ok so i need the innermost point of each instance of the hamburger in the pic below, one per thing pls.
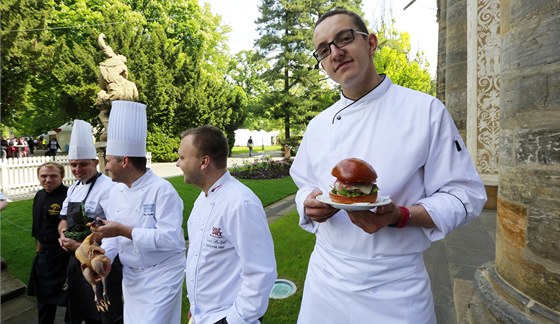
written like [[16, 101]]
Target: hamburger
[[355, 182]]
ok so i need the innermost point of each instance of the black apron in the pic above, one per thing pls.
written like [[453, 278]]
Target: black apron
[[80, 293], [48, 275], [77, 218]]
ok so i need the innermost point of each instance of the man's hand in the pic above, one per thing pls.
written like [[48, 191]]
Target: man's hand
[[111, 229], [68, 245], [316, 210], [371, 222]]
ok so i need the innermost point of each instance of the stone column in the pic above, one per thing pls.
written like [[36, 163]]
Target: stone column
[[523, 285], [456, 63], [442, 35]]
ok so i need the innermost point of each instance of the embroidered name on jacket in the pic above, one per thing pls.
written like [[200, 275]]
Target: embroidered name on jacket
[[215, 239], [149, 210]]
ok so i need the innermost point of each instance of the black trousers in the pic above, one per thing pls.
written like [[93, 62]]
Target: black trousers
[[47, 313], [223, 321]]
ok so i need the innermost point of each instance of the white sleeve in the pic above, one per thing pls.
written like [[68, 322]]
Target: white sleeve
[[455, 192], [303, 177], [168, 224], [253, 243]]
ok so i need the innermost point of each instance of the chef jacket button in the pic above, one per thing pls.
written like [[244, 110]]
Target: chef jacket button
[[338, 118]]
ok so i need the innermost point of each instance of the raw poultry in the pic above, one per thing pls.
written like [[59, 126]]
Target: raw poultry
[[95, 268]]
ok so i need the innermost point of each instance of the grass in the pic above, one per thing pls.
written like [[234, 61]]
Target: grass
[[258, 148], [292, 248], [292, 245]]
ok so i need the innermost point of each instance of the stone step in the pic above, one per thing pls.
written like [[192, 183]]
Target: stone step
[[10, 286], [22, 309]]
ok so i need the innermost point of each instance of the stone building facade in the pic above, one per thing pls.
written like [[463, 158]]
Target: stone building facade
[[499, 76]]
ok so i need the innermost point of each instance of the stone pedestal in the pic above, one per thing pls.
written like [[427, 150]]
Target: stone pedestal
[[496, 301], [101, 147]]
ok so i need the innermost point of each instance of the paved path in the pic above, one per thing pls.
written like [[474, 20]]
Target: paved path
[[456, 257]]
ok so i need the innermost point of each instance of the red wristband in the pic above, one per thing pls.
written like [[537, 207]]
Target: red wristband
[[405, 218]]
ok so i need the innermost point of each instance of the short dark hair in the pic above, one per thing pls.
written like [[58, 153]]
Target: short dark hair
[[138, 162], [210, 140], [358, 21], [55, 165]]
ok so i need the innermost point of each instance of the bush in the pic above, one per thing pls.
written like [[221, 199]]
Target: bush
[[163, 146], [266, 169], [293, 141]]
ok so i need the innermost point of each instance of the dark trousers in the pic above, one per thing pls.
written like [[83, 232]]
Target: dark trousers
[[223, 321], [47, 314]]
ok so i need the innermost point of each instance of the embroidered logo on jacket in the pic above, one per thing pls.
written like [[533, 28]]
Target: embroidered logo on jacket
[[216, 232], [215, 239], [54, 209]]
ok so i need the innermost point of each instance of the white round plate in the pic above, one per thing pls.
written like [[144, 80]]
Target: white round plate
[[381, 201]]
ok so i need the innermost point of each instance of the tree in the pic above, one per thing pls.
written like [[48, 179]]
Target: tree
[[176, 54], [26, 54], [394, 59], [285, 29], [297, 92]]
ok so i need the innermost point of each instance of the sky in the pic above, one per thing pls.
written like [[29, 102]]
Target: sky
[[419, 20]]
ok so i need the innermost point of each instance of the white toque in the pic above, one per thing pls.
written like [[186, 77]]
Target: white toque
[[127, 130], [81, 142]]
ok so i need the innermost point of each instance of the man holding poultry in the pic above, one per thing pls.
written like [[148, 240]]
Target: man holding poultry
[[87, 199], [143, 223]]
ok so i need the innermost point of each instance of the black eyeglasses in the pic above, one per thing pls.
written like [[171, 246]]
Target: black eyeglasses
[[342, 39]]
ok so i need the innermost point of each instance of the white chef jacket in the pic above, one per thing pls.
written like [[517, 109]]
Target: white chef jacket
[[154, 260], [96, 203], [412, 142], [230, 263]]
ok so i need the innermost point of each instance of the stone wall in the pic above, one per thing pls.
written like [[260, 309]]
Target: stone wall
[[528, 246]]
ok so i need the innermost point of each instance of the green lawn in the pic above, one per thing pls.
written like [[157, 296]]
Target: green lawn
[[245, 150], [293, 246]]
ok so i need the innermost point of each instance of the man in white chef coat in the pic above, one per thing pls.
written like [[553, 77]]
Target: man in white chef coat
[[230, 263], [89, 197], [143, 223], [367, 266]]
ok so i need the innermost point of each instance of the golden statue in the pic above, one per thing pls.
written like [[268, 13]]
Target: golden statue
[[114, 83]]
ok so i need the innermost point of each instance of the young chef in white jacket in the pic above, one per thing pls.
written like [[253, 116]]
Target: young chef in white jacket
[[230, 263], [89, 195], [143, 223], [367, 266]]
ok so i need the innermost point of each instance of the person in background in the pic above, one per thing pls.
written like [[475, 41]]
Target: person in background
[[230, 264], [368, 265], [31, 145], [88, 199], [144, 223], [53, 146], [23, 148], [4, 147], [48, 271], [250, 145], [3, 201]]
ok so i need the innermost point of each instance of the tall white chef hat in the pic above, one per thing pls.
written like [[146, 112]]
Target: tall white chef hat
[[127, 131], [81, 142]]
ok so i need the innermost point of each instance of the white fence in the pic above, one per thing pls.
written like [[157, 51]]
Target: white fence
[[18, 176]]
